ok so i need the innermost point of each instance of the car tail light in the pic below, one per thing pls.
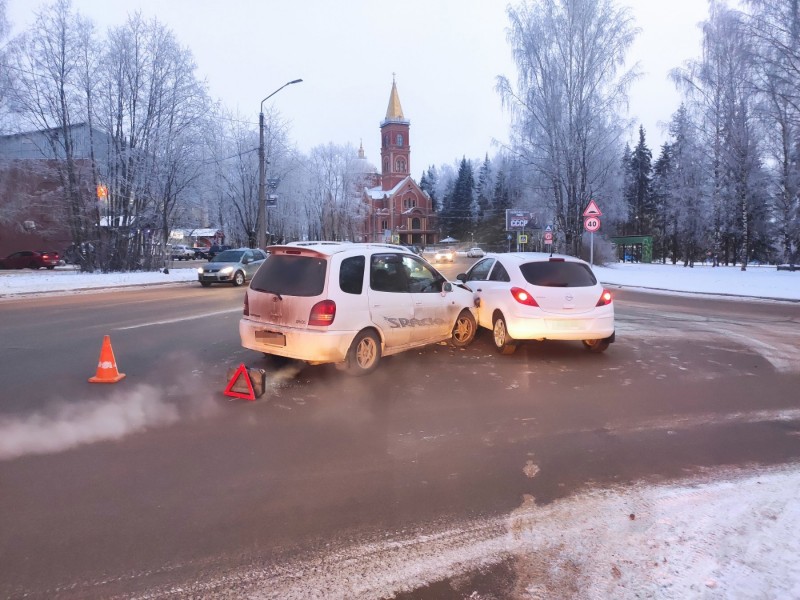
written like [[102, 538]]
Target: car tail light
[[246, 306], [605, 298], [322, 313], [523, 297]]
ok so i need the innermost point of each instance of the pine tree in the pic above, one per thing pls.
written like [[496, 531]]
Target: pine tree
[[461, 201], [638, 193]]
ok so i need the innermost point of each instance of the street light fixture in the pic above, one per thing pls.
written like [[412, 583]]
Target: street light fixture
[[261, 220]]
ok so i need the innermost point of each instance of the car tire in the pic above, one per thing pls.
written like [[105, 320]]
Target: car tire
[[595, 346], [464, 330], [502, 341], [364, 354], [238, 278], [205, 283]]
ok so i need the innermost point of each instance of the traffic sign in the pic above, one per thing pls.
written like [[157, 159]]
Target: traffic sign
[[548, 237], [591, 223], [592, 210], [522, 238]]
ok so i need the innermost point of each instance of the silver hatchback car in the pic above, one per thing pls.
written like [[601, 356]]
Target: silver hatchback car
[[231, 266]]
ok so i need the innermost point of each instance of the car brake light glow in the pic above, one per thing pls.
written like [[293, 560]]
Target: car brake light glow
[[322, 313], [246, 306], [605, 298], [523, 297]]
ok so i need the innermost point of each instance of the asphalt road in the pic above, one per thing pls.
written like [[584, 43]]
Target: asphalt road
[[189, 494]]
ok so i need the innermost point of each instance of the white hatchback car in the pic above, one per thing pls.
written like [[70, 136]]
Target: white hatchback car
[[535, 296], [350, 304]]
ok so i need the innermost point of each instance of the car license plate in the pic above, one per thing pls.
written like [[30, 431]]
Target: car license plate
[[271, 337]]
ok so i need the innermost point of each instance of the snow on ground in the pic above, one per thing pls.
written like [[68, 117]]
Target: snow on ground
[[757, 281], [723, 535]]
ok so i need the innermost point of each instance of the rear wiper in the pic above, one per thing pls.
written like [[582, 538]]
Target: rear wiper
[[269, 292]]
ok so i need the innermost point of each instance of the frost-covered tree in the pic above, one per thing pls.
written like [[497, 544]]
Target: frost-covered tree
[[775, 27], [47, 66], [637, 191], [567, 101]]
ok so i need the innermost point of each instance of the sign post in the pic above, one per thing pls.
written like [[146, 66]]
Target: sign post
[[591, 222]]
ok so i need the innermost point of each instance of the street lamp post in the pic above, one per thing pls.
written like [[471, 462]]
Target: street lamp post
[[261, 219]]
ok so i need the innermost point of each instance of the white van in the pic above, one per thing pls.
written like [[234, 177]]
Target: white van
[[350, 304]]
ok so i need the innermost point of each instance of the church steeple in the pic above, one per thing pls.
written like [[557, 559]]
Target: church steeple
[[394, 112], [396, 145]]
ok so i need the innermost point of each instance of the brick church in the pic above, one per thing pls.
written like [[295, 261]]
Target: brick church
[[398, 209]]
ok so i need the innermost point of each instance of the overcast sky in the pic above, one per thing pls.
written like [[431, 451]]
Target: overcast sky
[[446, 55]]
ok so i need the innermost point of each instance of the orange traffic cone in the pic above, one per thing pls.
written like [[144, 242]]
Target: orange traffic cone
[[107, 366]]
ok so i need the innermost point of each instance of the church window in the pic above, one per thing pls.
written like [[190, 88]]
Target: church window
[[384, 224], [399, 139], [409, 202], [415, 223], [385, 141], [400, 165]]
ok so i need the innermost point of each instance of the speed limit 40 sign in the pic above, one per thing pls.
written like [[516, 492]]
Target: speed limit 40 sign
[[591, 223]]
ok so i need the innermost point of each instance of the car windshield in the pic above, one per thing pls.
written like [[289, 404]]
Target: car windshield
[[229, 256], [558, 274], [291, 275]]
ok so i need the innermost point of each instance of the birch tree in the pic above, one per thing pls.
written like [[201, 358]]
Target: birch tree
[[151, 106], [47, 64], [775, 27], [569, 93]]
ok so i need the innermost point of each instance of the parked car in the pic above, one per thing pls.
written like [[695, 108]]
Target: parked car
[[351, 304], [31, 259], [215, 249], [231, 266], [444, 255], [535, 296], [182, 252], [475, 253], [200, 252]]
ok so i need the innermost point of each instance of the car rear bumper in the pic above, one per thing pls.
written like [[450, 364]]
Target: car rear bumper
[[311, 345], [561, 328]]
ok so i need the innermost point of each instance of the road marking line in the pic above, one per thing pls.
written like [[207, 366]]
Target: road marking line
[[179, 319]]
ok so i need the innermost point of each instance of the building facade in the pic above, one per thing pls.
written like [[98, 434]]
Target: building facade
[[398, 210]]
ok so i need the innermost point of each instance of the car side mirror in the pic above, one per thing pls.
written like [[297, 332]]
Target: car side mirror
[[245, 261], [447, 287], [462, 277]]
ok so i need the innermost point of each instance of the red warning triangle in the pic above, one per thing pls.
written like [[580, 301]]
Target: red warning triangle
[[592, 210], [229, 391]]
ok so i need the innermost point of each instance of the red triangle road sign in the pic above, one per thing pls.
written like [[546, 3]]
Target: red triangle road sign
[[229, 391], [592, 210]]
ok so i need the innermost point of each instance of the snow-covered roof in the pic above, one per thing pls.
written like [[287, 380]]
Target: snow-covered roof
[[377, 193]]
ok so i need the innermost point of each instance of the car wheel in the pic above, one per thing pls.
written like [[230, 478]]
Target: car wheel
[[363, 355], [205, 283], [502, 341], [238, 278], [464, 330], [595, 346], [50, 268]]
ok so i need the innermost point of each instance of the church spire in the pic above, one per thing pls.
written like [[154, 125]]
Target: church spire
[[394, 111]]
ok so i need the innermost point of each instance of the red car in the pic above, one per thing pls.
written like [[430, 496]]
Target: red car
[[28, 259]]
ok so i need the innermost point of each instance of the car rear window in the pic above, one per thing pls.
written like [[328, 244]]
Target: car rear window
[[558, 274], [291, 275]]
